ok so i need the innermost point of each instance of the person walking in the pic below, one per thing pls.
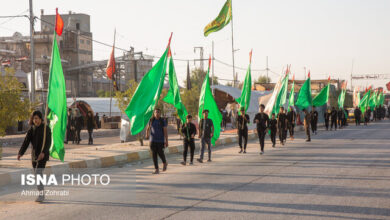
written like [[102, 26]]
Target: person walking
[[262, 123], [69, 134], [291, 118], [90, 126], [327, 116], [97, 121], [357, 114], [157, 134], [333, 117], [206, 132], [273, 124], [242, 129], [314, 120], [188, 131], [79, 125], [306, 124], [367, 115], [282, 126], [40, 147], [340, 117]]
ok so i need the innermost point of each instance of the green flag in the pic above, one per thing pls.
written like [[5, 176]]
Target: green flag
[[364, 101], [322, 97], [173, 95], [207, 102], [304, 99], [291, 97], [341, 99], [382, 100], [224, 17], [245, 98], [379, 98], [145, 98], [281, 97], [372, 101], [56, 101]]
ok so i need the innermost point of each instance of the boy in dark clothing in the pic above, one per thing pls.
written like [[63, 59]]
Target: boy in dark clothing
[[291, 118], [340, 117], [273, 123], [40, 151], [157, 131], [327, 115], [306, 124], [314, 120], [333, 116], [242, 128], [262, 123], [357, 114], [206, 132], [189, 131], [282, 125]]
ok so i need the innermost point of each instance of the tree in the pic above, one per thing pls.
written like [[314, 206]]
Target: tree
[[14, 107], [123, 98], [263, 79], [190, 99], [102, 93], [197, 77]]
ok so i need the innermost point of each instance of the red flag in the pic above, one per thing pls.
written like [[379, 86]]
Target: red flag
[[59, 23], [209, 61], [110, 70], [293, 77], [329, 78], [250, 56], [308, 75]]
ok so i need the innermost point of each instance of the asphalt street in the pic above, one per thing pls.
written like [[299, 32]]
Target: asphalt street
[[343, 174]]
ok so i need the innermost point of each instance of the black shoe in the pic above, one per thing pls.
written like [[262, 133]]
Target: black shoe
[[209, 160], [262, 152], [240, 151], [156, 171], [244, 151], [199, 160], [191, 163], [183, 163], [165, 167], [273, 145], [308, 140], [40, 198]]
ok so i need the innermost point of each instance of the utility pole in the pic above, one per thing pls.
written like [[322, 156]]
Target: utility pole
[[201, 57], [212, 57], [32, 54], [351, 74], [234, 70], [267, 69]]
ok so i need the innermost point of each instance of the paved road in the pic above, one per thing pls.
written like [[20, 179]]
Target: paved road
[[339, 175]]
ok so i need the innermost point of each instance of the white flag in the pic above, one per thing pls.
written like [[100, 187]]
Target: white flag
[[271, 101]]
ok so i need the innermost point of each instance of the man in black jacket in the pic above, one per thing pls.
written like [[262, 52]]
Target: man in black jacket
[[40, 151], [206, 132], [262, 123], [273, 125], [358, 115], [333, 116], [282, 125], [188, 131], [291, 118], [314, 120], [327, 115], [242, 128], [340, 116]]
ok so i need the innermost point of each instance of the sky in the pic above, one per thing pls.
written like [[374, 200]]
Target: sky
[[324, 36]]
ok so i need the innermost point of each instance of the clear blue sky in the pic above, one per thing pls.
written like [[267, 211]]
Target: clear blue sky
[[323, 36]]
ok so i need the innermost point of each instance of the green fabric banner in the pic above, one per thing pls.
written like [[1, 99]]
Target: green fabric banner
[[364, 101], [145, 98], [281, 97], [322, 97], [223, 19], [304, 99], [173, 95], [245, 99], [291, 98], [341, 99], [56, 101], [372, 102], [207, 102]]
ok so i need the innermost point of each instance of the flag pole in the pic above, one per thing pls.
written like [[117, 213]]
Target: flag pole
[[212, 75], [112, 76], [234, 71]]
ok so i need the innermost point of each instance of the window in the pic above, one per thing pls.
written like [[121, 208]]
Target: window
[[81, 41], [77, 26], [88, 42]]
